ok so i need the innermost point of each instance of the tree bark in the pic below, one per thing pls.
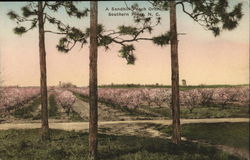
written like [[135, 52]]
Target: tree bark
[[93, 112], [176, 137], [43, 76]]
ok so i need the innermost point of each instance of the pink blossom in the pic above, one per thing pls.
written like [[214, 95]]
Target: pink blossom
[[66, 99]]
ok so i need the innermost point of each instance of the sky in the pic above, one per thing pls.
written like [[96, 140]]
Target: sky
[[203, 58]]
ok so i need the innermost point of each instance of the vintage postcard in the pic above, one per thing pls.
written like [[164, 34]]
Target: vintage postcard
[[124, 80]]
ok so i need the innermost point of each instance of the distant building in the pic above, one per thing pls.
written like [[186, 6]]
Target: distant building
[[184, 82], [66, 84]]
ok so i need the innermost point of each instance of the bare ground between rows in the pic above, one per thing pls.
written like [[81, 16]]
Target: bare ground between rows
[[106, 113], [81, 107]]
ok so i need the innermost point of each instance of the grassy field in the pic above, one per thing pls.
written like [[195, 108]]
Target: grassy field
[[203, 112], [26, 144], [230, 134]]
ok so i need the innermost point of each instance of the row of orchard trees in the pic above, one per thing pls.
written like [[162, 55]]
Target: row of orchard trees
[[211, 14]]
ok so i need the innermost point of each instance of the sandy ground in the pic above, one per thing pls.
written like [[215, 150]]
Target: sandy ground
[[81, 108], [84, 125]]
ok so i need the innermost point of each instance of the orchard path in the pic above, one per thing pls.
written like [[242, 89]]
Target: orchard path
[[77, 126]]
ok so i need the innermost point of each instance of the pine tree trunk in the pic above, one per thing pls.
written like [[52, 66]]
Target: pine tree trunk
[[43, 78], [176, 137], [93, 113]]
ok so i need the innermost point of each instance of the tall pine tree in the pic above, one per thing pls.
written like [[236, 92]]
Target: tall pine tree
[[93, 93], [101, 37], [212, 15], [35, 13]]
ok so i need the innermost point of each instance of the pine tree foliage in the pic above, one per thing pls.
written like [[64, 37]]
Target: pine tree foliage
[[123, 35], [213, 15], [163, 5], [127, 30], [29, 15], [19, 30], [127, 53], [162, 40]]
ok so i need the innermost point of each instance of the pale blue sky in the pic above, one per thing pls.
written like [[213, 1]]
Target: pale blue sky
[[204, 59]]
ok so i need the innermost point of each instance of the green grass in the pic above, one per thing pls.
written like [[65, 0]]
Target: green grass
[[230, 134], [26, 112], [216, 112], [74, 116], [26, 145], [203, 112], [162, 111]]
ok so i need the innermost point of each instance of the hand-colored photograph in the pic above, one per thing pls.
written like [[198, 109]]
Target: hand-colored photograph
[[124, 80]]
